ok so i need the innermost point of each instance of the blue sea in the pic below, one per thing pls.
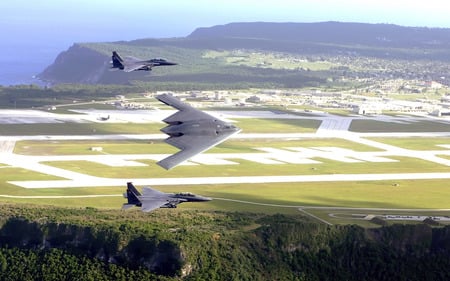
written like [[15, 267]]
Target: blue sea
[[20, 63], [24, 53]]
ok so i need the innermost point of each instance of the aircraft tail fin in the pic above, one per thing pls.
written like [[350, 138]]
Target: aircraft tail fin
[[132, 195], [117, 60]]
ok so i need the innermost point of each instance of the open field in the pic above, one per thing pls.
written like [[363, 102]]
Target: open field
[[406, 194], [82, 147], [401, 126], [267, 60], [247, 156], [417, 143], [79, 129], [248, 168], [258, 125], [8, 173], [250, 125]]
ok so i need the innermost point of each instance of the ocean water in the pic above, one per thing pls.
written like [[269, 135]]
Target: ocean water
[[21, 62], [26, 52], [28, 46]]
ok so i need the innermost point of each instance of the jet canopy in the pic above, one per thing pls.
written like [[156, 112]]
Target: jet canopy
[[189, 194]]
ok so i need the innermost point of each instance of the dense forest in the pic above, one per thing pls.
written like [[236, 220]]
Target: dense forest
[[47, 243]]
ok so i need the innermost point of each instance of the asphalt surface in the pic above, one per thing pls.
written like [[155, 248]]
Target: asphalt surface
[[332, 126]]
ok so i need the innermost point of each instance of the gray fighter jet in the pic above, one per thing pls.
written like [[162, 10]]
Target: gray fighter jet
[[152, 199], [129, 64], [192, 131]]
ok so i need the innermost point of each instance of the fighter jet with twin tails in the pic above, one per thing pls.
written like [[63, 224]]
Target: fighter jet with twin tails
[[152, 199], [192, 131], [129, 64]]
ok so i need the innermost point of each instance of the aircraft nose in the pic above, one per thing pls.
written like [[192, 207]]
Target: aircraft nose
[[171, 63]]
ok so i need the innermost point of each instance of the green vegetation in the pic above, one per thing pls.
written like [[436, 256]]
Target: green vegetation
[[193, 72], [80, 128], [368, 126], [9, 173], [48, 243], [89, 238], [267, 60], [74, 147], [71, 108], [250, 168], [382, 194], [84, 147], [31, 96], [416, 143], [259, 125], [250, 125], [401, 194]]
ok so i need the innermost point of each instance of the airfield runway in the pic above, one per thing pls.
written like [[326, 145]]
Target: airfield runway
[[331, 126], [266, 156]]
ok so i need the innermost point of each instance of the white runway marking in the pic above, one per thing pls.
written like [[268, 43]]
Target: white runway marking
[[331, 127], [90, 181], [60, 197]]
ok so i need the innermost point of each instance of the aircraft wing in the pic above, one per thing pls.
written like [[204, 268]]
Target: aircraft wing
[[150, 192], [134, 66], [152, 204], [190, 146], [185, 113]]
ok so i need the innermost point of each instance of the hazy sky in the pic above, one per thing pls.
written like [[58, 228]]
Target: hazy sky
[[107, 20]]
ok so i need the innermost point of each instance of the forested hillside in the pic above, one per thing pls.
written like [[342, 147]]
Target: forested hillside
[[290, 42], [47, 243], [341, 33]]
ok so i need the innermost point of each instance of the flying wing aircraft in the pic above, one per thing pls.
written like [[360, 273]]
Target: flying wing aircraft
[[129, 64], [192, 131], [151, 199]]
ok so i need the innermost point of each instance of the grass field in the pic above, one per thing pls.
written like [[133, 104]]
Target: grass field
[[159, 146], [84, 147], [420, 194], [8, 173], [248, 125], [416, 143], [368, 126], [415, 194], [267, 60], [255, 125], [247, 168], [79, 129]]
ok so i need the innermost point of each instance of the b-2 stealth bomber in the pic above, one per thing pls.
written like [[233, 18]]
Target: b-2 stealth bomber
[[129, 64], [152, 199], [192, 131]]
